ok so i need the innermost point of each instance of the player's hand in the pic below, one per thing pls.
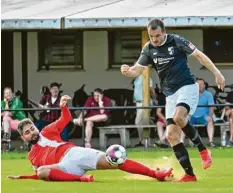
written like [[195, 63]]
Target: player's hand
[[87, 179], [13, 177], [220, 80], [64, 100], [125, 69]]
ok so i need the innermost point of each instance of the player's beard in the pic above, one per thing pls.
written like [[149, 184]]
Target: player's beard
[[35, 139]]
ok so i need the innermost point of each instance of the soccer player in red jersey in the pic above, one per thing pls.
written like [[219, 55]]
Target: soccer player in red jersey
[[57, 160]]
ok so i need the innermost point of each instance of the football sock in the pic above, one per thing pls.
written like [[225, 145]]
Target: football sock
[[194, 136], [59, 175], [134, 167], [183, 157]]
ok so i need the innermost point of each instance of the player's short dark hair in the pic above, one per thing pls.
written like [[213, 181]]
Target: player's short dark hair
[[22, 124], [155, 23], [99, 90]]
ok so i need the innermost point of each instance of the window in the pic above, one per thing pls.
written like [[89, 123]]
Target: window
[[60, 50], [124, 47], [218, 45]]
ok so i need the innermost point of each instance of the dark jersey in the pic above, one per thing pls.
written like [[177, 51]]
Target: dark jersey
[[170, 61]]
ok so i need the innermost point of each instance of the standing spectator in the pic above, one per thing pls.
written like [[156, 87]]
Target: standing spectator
[[10, 119], [51, 100], [94, 116], [229, 114], [138, 98], [203, 115]]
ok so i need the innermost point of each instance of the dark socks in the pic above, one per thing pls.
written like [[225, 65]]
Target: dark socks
[[194, 136], [183, 157]]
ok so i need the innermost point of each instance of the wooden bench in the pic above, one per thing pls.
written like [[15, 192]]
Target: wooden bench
[[122, 130]]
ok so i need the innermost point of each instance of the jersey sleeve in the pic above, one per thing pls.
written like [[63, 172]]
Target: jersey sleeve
[[144, 58], [184, 45], [60, 124]]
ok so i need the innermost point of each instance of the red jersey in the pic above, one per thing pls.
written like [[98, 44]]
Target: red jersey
[[50, 148]]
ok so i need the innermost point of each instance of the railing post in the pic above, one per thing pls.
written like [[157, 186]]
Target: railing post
[[83, 128]]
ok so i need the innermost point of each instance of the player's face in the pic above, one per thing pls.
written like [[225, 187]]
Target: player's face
[[156, 36], [30, 134], [8, 94], [54, 91], [201, 86]]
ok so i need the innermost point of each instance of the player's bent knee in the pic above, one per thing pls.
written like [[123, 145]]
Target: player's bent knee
[[43, 172], [170, 136], [179, 120]]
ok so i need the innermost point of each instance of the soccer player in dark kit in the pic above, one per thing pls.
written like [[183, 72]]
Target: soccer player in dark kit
[[168, 55]]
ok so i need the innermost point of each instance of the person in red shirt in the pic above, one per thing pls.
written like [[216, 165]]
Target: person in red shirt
[[94, 117], [56, 160]]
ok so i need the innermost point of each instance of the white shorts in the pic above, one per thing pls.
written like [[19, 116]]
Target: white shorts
[[188, 94], [79, 160]]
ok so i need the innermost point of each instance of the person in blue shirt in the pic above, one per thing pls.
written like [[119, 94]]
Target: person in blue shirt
[[168, 55], [203, 115], [138, 99]]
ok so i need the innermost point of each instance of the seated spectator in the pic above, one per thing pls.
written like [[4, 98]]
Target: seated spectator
[[94, 116], [229, 114], [161, 122], [51, 100], [138, 99], [203, 115], [10, 119]]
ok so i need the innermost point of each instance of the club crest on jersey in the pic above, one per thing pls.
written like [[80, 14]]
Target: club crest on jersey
[[171, 50]]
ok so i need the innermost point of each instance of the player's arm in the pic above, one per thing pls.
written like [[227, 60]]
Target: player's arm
[[205, 61], [31, 177], [188, 48], [137, 69], [65, 117]]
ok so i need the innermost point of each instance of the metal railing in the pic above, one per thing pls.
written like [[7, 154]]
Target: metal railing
[[82, 109]]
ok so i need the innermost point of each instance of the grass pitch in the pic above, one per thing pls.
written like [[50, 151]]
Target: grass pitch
[[217, 179]]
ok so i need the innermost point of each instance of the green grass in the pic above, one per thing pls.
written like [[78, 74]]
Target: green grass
[[219, 178]]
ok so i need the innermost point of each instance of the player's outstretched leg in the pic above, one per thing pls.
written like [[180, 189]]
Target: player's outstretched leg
[[53, 173], [134, 167], [174, 137], [181, 119]]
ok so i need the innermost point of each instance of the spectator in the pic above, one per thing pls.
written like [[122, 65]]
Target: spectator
[[93, 116], [10, 119], [161, 122], [138, 98], [203, 115], [51, 100], [229, 114]]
